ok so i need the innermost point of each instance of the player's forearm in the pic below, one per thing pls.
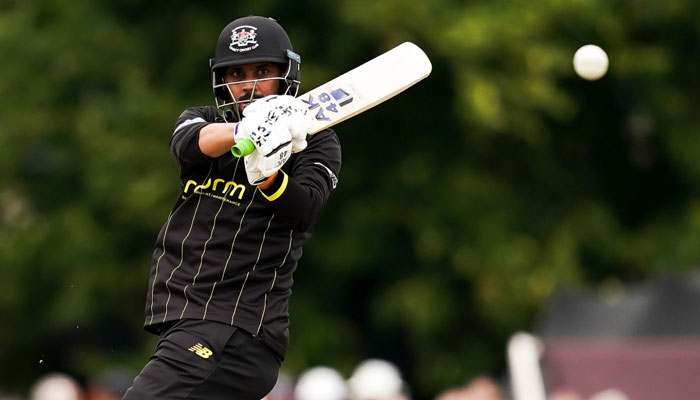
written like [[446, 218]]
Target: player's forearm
[[299, 199], [216, 139], [298, 205]]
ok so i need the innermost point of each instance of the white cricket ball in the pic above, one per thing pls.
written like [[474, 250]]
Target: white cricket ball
[[590, 62]]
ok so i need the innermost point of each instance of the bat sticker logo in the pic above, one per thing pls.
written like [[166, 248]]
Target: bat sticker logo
[[328, 102], [243, 39]]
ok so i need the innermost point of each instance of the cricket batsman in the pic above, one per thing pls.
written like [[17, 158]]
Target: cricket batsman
[[222, 265]]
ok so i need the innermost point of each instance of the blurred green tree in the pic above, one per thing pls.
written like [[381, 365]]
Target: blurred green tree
[[463, 204]]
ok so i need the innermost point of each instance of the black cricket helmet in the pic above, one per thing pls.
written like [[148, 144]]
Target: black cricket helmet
[[248, 40]]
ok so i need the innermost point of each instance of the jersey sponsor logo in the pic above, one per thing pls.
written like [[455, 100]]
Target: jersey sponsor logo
[[212, 188], [243, 38], [201, 351]]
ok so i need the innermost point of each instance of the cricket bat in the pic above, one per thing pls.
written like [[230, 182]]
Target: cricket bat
[[360, 89]]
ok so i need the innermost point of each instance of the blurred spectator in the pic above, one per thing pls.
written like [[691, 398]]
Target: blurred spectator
[[610, 394], [564, 394], [481, 388], [56, 386], [321, 383], [376, 379]]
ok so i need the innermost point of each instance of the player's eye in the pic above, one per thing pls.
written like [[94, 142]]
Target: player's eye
[[234, 73]]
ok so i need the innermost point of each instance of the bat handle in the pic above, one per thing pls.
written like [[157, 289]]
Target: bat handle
[[243, 148]]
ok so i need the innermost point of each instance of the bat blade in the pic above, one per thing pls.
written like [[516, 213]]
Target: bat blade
[[369, 84], [361, 88]]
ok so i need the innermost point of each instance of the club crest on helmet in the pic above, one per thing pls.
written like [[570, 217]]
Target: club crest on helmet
[[243, 38]]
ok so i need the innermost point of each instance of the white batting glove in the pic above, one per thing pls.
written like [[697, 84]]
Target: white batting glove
[[259, 167], [273, 144], [265, 133], [299, 126], [280, 104], [285, 110]]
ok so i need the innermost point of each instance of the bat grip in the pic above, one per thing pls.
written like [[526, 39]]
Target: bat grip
[[243, 148]]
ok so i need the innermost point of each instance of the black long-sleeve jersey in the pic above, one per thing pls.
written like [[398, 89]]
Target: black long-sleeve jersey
[[228, 249]]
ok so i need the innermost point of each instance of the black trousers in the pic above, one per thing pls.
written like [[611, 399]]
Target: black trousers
[[197, 359]]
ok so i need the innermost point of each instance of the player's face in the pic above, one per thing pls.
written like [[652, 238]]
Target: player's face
[[252, 81]]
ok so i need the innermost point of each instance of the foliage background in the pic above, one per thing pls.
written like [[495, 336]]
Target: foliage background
[[464, 204]]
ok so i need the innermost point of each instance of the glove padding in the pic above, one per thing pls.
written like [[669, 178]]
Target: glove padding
[[273, 146], [284, 110], [277, 126], [264, 132], [258, 167]]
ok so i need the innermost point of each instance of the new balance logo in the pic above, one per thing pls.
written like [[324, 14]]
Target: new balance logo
[[200, 350]]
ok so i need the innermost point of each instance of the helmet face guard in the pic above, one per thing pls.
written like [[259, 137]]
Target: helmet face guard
[[252, 40], [226, 101]]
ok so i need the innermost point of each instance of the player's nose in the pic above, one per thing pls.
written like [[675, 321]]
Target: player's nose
[[249, 87], [246, 86]]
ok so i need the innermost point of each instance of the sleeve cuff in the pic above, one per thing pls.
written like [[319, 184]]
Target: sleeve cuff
[[277, 188]]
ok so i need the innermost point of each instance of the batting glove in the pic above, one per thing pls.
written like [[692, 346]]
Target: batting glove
[[288, 111], [265, 133], [259, 167]]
